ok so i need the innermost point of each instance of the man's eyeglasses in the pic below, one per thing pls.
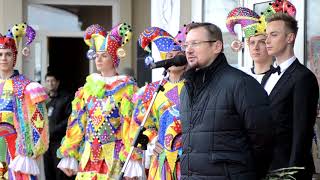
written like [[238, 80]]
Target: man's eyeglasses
[[195, 44]]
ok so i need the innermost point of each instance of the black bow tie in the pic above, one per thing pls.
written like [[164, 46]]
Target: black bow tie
[[269, 73], [274, 70]]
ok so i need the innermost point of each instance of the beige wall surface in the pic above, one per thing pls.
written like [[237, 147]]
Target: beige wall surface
[[126, 17], [185, 12], [138, 14], [10, 14], [141, 20]]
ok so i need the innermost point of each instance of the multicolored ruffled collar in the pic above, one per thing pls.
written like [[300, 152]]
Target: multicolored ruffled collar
[[100, 86]]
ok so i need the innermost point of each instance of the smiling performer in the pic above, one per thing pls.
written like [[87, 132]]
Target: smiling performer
[[23, 114], [99, 109]]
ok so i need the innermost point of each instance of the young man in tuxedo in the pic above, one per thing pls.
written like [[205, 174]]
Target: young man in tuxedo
[[293, 91]]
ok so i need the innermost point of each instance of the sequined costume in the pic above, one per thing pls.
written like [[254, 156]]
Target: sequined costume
[[94, 133], [23, 113], [163, 123]]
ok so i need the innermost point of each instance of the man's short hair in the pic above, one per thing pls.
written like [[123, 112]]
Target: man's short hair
[[214, 32], [51, 74], [289, 21]]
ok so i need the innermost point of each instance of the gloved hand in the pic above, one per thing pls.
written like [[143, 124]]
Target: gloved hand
[[143, 140]]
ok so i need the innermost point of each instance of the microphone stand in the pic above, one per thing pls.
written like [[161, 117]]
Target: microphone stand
[[141, 127]]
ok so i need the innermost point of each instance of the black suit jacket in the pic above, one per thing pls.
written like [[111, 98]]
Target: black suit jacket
[[293, 103]]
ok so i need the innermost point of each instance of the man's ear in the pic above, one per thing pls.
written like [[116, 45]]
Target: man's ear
[[291, 38], [218, 47]]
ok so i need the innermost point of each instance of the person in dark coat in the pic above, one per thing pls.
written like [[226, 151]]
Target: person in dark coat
[[293, 91], [225, 115], [59, 109]]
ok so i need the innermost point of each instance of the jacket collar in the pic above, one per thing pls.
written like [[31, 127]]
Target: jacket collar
[[196, 80], [194, 75], [284, 79]]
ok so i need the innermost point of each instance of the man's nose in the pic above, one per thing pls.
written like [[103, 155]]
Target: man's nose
[[189, 50], [98, 58], [267, 40]]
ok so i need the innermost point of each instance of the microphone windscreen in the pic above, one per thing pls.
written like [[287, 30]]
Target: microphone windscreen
[[180, 60]]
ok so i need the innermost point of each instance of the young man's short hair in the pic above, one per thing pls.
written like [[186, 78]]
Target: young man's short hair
[[290, 22], [51, 74]]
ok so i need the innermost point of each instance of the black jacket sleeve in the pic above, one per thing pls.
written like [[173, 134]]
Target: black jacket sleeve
[[305, 98], [252, 104], [64, 113]]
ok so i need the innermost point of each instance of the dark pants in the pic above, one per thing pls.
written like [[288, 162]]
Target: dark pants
[[51, 161]]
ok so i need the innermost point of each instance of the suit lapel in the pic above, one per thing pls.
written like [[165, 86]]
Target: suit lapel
[[283, 80]]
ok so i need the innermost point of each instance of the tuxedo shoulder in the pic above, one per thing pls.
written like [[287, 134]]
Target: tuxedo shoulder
[[303, 71], [302, 74]]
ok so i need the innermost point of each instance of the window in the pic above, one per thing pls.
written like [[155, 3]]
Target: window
[[216, 12], [313, 37]]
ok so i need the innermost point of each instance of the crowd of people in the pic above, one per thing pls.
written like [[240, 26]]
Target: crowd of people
[[204, 120]]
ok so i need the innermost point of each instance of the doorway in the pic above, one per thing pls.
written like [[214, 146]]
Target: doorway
[[67, 58]]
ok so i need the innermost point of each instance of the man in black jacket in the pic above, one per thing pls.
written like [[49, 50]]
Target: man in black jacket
[[59, 109], [293, 91], [226, 124]]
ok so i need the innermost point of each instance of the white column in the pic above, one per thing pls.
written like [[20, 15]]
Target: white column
[[197, 10], [121, 13], [166, 15], [299, 46]]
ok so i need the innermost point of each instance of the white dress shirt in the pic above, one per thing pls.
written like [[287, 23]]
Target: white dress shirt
[[258, 77], [274, 78]]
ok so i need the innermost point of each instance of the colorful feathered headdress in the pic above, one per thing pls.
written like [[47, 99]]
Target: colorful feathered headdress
[[14, 36], [252, 24], [98, 39]]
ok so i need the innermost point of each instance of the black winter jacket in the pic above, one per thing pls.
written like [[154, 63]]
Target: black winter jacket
[[59, 110], [226, 124]]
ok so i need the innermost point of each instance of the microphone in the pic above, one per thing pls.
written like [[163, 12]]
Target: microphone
[[178, 60]]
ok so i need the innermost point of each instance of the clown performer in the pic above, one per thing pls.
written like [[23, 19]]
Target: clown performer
[[254, 28], [99, 109], [163, 127], [23, 114]]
